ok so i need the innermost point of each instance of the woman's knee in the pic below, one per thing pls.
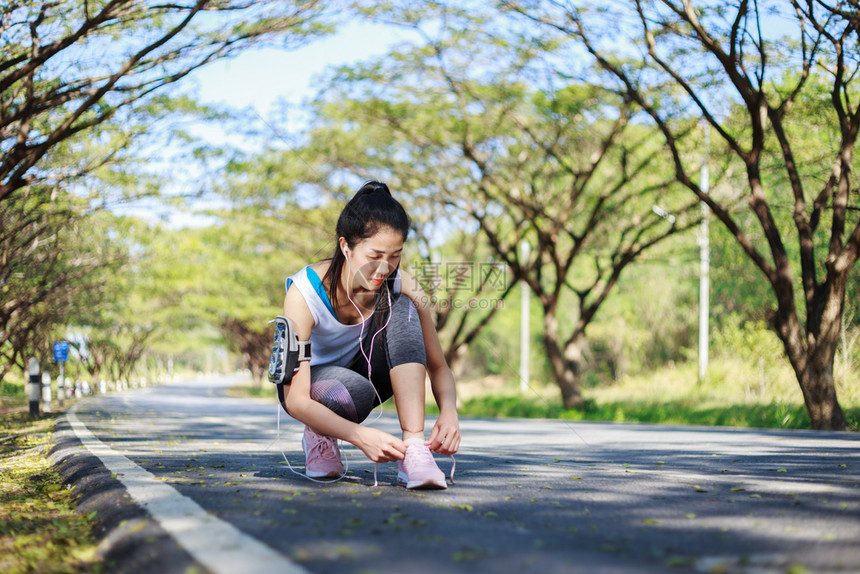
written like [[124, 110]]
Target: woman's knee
[[344, 392], [334, 395]]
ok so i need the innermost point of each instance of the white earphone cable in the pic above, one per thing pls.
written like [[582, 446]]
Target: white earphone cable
[[367, 356]]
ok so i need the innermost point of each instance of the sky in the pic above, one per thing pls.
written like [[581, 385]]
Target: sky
[[258, 79]]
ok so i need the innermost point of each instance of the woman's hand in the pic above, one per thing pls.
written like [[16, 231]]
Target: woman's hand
[[379, 446], [445, 436]]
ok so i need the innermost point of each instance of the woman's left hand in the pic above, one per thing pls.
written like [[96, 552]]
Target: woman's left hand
[[445, 436]]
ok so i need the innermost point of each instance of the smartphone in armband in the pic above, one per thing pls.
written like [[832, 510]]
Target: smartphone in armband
[[287, 351]]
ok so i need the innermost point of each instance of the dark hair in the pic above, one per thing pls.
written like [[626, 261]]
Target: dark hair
[[371, 209]]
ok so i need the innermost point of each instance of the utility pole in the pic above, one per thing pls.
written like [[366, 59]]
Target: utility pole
[[61, 356], [704, 262], [524, 322]]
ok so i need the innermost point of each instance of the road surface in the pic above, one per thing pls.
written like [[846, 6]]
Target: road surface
[[185, 479]]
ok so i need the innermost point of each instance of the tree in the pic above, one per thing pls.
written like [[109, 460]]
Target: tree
[[230, 274], [247, 258], [325, 165], [753, 71], [54, 264], [115, 314], [63, 71], [467, 121], [79, 83]]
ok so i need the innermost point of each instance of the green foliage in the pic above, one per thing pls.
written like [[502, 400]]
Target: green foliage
[[751, 342], [11, 388], [781, 131], [495, 350], [650, 319], [219, 285], [58, 258], [737, 289]]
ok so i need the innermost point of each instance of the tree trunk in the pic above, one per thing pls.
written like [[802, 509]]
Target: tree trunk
[[254, 345], [812, 356], [814, 371], [566, 362], [258, 373], [819, 395], [453, 356]]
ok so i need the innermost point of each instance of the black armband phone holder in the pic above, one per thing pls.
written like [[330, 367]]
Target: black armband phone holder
[[287, 351]]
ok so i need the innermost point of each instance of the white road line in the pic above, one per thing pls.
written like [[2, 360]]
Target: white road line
[[216, 544]]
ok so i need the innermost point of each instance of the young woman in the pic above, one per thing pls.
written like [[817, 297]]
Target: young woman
[[372, 337]]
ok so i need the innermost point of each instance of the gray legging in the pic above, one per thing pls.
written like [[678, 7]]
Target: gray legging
[[347, 390]]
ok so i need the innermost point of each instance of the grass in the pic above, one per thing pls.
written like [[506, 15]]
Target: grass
[[12, 396], [731, 395], [40, 530], [682, 412], [248, 389]]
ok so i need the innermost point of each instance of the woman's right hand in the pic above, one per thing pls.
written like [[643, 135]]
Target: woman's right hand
[[379, 446]]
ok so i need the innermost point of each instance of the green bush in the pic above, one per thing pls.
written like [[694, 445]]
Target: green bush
[[12, 389]]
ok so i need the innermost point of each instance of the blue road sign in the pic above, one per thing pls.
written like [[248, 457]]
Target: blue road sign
[[61, 352]]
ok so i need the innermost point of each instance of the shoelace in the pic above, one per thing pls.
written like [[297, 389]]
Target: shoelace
[[416, 452], [325, 447], [450, 477]]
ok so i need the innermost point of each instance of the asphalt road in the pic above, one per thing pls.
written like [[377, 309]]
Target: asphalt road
[[184, 479]]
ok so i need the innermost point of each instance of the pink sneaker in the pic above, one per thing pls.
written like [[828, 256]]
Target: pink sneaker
[[419, 470], [322, 457]]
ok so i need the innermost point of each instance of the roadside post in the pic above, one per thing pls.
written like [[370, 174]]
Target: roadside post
[[35, 383], [61, 392], [46, 392], [61, 356]]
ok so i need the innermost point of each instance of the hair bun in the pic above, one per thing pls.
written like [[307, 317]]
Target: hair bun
[[373, 187]]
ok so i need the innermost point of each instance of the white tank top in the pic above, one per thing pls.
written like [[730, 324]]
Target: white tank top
[[332, 342]]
